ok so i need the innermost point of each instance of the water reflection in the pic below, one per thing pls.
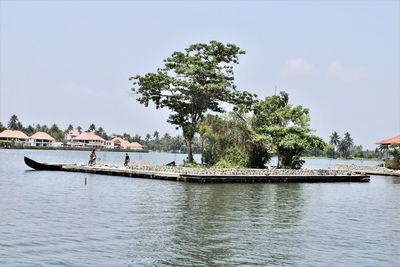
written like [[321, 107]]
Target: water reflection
[[396, 179], [236, 224], [119, 221]]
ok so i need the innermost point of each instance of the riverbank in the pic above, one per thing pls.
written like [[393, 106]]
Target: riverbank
[[327, 158]]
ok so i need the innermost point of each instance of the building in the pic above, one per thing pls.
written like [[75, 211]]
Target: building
[[41, 139], [14, 136], [120, 143], [390, 141], [109, 144], [70, 135], [87, 139], [384, 144], [136, 146]]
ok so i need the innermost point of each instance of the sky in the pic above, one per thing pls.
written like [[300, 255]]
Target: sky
[[68, 62]]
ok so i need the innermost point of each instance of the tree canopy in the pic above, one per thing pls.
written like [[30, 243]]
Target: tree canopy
[[191, 83], [14, 123], [285, 129], [230, 142]]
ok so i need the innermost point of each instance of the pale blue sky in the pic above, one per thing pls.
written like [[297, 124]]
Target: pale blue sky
[[69, 61]]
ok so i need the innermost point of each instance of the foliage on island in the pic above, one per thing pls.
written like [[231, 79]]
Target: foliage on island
[[192, 83], [394, 162]]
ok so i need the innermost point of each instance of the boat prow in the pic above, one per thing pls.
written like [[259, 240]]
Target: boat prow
[[39, 166]]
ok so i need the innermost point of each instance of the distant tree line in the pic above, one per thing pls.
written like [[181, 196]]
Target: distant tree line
[[166, 143], [345, 148]]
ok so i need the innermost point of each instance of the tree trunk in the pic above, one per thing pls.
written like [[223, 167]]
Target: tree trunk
[[279, 163], [190, 150]]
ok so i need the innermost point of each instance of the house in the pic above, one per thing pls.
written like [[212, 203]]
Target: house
[[41, 139], [384, 144], [69, 135], [87, 139], [109, 144], [120, 143], [13, 136], [136, 146], [390, 141]]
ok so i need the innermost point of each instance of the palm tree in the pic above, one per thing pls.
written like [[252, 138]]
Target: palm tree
[[14, 123], [334, 140], [347, 138], [345, 145], [70, 128], [92, 128]]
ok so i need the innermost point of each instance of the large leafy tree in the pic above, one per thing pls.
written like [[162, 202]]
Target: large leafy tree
[[285, 129], [191, 83], [230, 142]]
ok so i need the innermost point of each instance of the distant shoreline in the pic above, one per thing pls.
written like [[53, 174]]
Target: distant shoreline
[[147, 151], [77, 149], [321, 157]]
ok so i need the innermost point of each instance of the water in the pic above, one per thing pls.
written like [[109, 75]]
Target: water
[[53, 219]]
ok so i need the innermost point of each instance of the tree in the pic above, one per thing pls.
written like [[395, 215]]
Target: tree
[[334, 140], [100, 132], [2, 128], [14, 123], [126, 137], [230, 142], [191, 83], [348, 140], [56, 133], [394, 150], [79, 128], [70, 128], [137, 138], [92, 128], [345, 145], [285, 129], [156, 141], [30, 130]]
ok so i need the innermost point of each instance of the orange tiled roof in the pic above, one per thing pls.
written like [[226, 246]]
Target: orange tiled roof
[[73, 133], [43, 136], [88, 136], [13, 134], [117, 140], [125, 144], [393, 140], [136, 145]]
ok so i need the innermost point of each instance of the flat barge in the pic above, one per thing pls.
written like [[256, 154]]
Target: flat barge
[[370, 170], [203, 175]]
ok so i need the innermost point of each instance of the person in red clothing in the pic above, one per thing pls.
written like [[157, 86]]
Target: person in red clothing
[[126, 162], [92, 158]]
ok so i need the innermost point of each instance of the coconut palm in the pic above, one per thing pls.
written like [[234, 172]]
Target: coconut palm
[[334, 140]]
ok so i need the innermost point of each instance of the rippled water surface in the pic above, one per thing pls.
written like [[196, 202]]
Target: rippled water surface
[[54, 219]]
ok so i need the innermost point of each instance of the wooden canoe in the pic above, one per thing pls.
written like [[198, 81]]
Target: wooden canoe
[[39, 166]]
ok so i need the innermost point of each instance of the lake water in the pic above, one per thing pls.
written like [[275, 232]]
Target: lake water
[[54, 219]]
